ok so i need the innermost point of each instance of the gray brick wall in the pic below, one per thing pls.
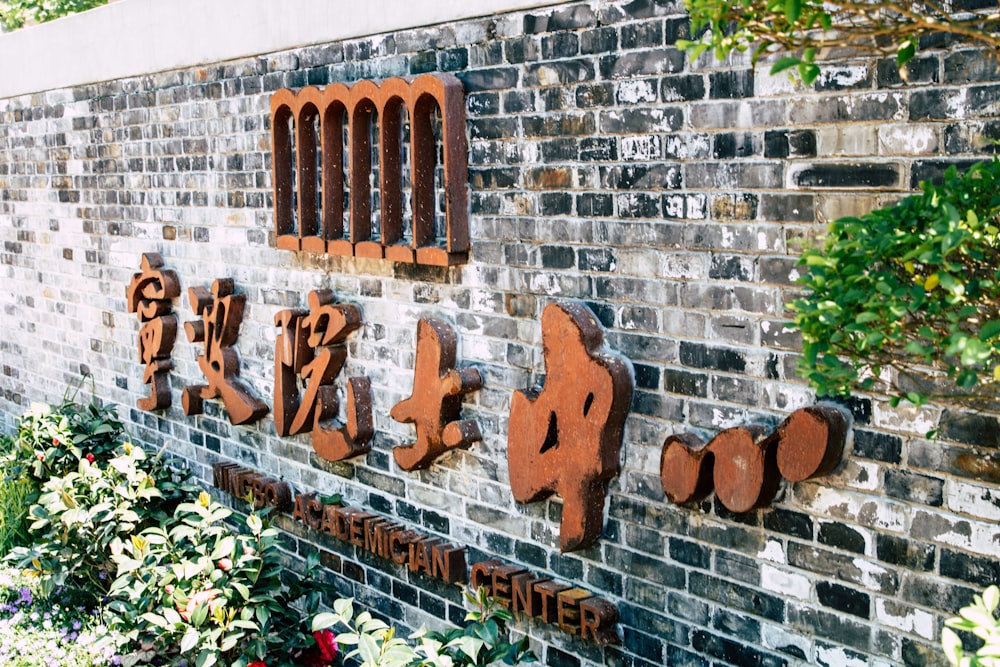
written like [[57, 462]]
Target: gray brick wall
[[671, 197]]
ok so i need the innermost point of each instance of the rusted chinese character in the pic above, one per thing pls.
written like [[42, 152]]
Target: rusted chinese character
[[221, 314], [310, 345], [149, 294], [436, 401], [566, 439], [747, 463]]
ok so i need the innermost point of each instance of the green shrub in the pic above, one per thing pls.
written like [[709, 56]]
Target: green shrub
[[907, 298], [483, 641], [15, 13], [194, 590], [979, 618], [55, 439], [51, 442], [17, 491], [79, 515]]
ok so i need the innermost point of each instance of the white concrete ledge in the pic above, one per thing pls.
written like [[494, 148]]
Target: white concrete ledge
[[135, 37]]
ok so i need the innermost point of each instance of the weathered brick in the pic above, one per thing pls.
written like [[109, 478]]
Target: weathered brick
[[919, 70], [666, 60], [844, 599], [599, 40], [794, 524], [567, 124], [631, 121], [556, 73], [729, 84], [845, 567], [914, 487], [905, 552], [682, 87], [737, 596], [968, 66], [922, 590], [789, 143], [850, 175], [642, 35], [841, 536], [733, 652], [975, 569], [845, 77], [836, 627]]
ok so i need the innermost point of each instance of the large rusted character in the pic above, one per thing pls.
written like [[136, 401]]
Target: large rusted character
[[436, 401], [746, 463], [221, 314], [149, 294], [566, 439], [310, 346]]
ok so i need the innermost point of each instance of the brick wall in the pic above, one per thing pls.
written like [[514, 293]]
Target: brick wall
[[671, 197]]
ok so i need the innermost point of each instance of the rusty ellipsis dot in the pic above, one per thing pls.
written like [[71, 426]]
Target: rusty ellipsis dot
[[745, 464], [566, 438]]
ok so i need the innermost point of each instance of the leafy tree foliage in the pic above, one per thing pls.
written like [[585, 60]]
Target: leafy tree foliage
[[798, 32], [15, 14], [908, 297]]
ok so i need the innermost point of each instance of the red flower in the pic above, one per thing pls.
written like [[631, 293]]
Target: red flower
[[225, 564], [259, 663], [90, 458], [324, 652], [55, 442], [198, 598]]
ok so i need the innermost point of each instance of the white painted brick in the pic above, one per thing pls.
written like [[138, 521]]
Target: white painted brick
[[853, 507], [836, 656], [908, 139], [851, 140], [906, 618], [784, 582], [781, 639], [977, 500], [906, 417]]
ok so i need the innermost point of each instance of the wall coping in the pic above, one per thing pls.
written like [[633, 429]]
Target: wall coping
[[135, 37]]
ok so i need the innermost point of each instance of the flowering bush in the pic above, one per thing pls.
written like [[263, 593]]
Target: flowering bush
[[180, 584], [54, 439], [194, 590], [78, 515], [50, 442], [39, 632], [484, 641]]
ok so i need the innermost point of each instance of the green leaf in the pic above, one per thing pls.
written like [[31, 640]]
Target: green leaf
[[172, 616], [991, 598], [206, 658], [809, 73], [190, 640], [793, 9], [951, 644], [199, 615], [907, 50], [224, 548], [324, 620], [784, 63], [989, 330]]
